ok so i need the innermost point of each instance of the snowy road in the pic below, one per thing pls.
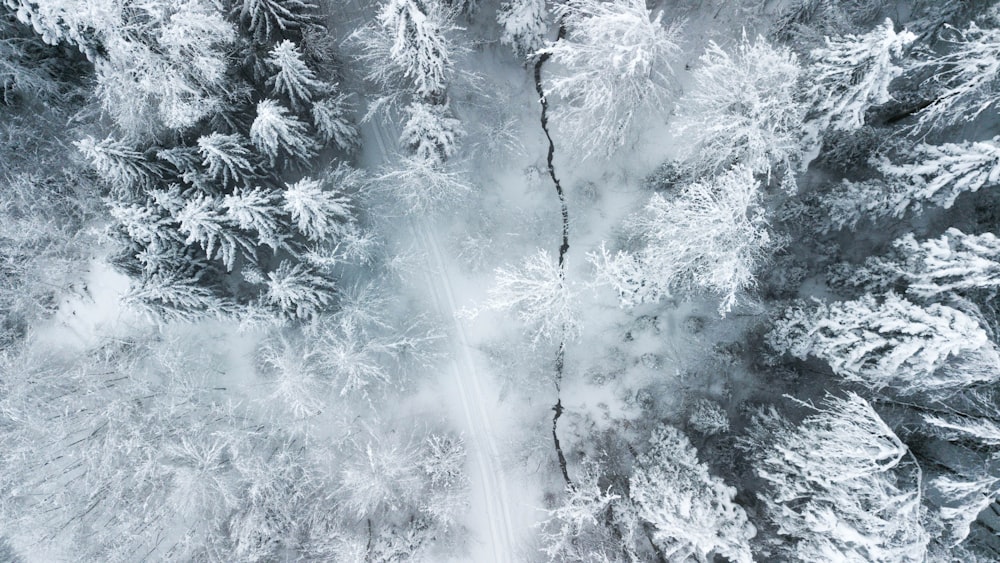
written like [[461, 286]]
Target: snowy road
[[489, 495]]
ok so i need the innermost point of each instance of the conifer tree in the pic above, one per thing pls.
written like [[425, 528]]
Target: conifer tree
[[316, 213], [269, 20], [292, 78], [275, 132], [258, 211], [203, 221], [523, 24], [852, 73], [120, 165], [881, 343], [419, 47], [953, 263], [963, 75], [329, 117], [938, 174], [226, 157], [838, 488], [692, 512], [297, 292], [430, 133]]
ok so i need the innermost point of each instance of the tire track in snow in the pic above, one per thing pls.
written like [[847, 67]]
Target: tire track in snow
[[462, 366], [488, 459]]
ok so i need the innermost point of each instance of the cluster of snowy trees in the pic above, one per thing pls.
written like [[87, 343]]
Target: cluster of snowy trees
[[212, 113], [128, 450], [409, 51], [669, 508], [204, 148], [911, 327], [897, 462]]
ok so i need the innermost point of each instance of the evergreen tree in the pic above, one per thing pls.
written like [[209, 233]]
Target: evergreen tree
[[523, 24], [963, 75], [419, 47], [954, 263], [169, 297], [296, 292], [123, 167], [938, 174], [852, 73], [882, 343], [329, 117], [837, 486], [292, 78], [430, 133], [258, 211], [316, 213], [226, 157], [275, 132], [203, 221], [269, 20], [692, 512]]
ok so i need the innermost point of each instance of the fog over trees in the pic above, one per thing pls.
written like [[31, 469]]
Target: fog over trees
[[500, 280]]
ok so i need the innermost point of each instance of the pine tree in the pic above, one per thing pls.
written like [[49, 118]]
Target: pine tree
[[296, 292], [26, 66], [617, 60], [846, 204], [169, 297], [891, 342], [292, 77], [226, 157], [430, 133], [853, 72], [174, 78], [692, 512], [329, 117], [523, 24], [268, 20], [275, 132], [120, 165], [147, 224], [316, 213], [419, 47], [964, 76], [938, 174], [954, 263], [203, 221], [743, 109], [259, 211], [837, 486], [156, 67]]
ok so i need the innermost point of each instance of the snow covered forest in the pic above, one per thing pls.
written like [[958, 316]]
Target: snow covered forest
[[500, 281]]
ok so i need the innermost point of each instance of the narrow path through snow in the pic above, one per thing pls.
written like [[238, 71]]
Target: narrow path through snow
[[487, 476]]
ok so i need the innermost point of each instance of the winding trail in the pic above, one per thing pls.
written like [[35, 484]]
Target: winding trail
[[563, 249], [487, 479]]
